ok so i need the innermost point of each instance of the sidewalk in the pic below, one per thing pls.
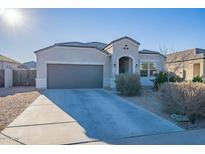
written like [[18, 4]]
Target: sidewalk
[[43, 123], [192, 137]]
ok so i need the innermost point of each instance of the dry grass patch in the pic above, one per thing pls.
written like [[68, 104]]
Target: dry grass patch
[[183, 98]]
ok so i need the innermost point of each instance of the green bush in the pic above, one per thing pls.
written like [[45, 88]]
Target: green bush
[[128, 84], [175, 78], [163, 77], [159, 79], [197, 79]]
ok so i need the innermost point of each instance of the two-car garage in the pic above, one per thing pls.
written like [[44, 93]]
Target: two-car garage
[[72, 67], [70, 76]]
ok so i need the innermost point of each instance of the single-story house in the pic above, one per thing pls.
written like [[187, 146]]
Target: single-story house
[[94, 64], [187, 64], [7, 65]]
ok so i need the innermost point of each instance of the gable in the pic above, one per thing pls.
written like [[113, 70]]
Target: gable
[[121, 39], [126, 44], [124, 47]]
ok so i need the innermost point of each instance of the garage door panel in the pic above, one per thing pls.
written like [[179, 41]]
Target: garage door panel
[[62, 76]]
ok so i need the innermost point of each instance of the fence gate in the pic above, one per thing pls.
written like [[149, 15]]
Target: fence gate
[[24, 77], [1, 78]]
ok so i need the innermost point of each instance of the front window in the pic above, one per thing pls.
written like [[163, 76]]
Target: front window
[[148, 69], [144, 69], [153, 69]]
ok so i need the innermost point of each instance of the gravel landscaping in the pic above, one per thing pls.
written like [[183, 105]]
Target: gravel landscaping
[[149, 100], [14, 101]]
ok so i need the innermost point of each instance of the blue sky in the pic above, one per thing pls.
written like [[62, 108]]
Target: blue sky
[[175, 29]]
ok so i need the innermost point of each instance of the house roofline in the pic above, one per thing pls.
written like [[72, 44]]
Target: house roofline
[[178, 61], [61, 45], [185, 50], [125, 37], [154, 53], [44, 48], [84, 47]]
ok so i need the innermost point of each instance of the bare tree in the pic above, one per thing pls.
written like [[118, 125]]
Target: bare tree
[[175, 61]]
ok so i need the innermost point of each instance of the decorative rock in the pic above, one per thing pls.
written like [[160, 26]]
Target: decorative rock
[[180, 118]]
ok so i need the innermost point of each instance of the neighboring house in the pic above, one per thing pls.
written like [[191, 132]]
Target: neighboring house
[[6, 71], [31, 65], [187, 64], [94, 64]]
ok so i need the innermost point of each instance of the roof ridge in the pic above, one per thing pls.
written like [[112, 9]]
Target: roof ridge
[[96, 42], [69, 42]]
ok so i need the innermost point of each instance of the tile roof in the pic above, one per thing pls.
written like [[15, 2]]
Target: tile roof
[[185, 55], [145, 51], [97, 45], [148, 51]]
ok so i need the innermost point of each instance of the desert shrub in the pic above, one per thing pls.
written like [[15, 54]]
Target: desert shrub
[[128, 84], [175, 78], [197, 79], [163, 77], [159, 79], [186, 98]]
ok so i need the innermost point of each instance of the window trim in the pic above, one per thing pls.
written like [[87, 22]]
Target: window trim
[[144, 69], [148, 68]]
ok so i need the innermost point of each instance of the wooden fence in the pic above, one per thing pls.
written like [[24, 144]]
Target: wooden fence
[[24, 77], [1, 78]]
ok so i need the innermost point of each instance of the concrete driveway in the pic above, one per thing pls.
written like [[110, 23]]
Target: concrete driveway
[[84, 116]]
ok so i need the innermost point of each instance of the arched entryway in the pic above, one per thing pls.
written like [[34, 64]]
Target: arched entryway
[[125, 65]]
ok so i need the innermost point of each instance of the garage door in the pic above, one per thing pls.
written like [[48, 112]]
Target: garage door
[[62, 76]]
